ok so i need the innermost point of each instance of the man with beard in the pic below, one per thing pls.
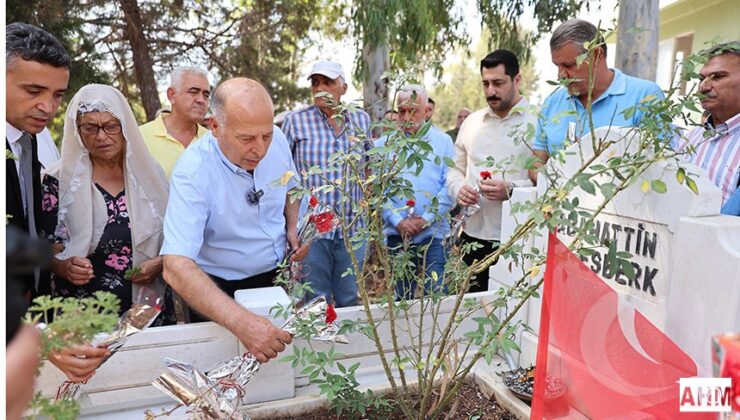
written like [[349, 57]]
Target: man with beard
[[566, 110], [486, 143], [171, 132]]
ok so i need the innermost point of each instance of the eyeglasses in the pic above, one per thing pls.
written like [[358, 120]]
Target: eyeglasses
[[253, 197], [93, 129]]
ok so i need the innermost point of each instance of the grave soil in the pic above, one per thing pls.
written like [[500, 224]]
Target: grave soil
[[472, 404]]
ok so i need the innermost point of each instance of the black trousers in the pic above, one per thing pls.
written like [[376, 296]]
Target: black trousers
[[479, 282], [231, 286]]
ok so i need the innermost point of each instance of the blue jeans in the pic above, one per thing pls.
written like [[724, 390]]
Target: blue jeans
[[328, 260], [436, 257]]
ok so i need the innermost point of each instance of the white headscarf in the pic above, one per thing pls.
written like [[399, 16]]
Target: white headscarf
[[82, 211]]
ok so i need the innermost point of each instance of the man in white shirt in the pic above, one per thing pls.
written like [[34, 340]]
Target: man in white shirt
[[486, 143]]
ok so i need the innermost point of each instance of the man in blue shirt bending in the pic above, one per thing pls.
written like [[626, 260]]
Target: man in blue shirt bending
[[565, 112], [228, 221], [419, 224]]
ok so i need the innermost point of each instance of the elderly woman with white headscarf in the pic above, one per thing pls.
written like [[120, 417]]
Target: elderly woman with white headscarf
[[104, 201]]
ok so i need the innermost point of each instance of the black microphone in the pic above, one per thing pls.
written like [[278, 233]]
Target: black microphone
[[253, 197]]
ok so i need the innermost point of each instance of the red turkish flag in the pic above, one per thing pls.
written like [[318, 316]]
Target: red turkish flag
[[597, 356]]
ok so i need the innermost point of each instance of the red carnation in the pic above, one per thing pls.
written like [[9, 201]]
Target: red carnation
[[331, 314], [485, 175], [313, 201], [323, 221], [411, 203]]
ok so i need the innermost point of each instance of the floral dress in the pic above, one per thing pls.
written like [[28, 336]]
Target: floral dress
[[110, 259]]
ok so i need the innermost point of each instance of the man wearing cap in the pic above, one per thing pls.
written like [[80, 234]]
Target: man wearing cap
[[171, 132], [315, 133]]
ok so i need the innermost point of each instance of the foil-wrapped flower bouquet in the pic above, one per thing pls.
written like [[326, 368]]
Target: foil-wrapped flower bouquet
[[465, 213], [219, 393], [411, 208], [145, 309], [319, 220]]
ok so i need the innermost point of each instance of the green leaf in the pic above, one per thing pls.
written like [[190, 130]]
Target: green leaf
[[659, 186], [586, 185], [627, 268], [629, 112], [581, 58], [612, 255], [680, 175], [483, 321], [691, 106], [692, 185], [608, 189]]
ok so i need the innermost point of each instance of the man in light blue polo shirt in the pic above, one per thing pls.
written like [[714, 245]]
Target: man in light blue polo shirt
[[228, 221], [421, 225], [564, 112]]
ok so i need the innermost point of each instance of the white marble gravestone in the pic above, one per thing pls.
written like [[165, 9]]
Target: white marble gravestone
[[686, 257], [122, 389], [274, 380]]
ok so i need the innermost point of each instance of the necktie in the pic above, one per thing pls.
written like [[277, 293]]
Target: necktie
[[26, 177]]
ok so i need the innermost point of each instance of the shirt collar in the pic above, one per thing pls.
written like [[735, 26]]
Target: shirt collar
[[321, 113], [726, 127], [519, 108], [11, 133], [618, 86], [325, 118], [161, 130], [229, 164]]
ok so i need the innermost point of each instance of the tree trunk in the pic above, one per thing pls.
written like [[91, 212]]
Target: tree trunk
[[637, 38], [375, 89], [143, 65]]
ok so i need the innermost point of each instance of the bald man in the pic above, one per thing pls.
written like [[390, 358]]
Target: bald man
[[228, 222], [462, 114]]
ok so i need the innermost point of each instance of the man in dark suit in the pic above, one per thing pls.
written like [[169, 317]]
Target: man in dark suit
[[37, 73], [36, 77]]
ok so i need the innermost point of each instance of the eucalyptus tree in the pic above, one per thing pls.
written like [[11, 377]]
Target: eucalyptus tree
[[396, 34]]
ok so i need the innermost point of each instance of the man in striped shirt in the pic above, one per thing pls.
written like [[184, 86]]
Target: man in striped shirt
[[315, 133], [716, 145]]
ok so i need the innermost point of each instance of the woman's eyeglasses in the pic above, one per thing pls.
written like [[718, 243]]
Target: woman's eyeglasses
[[94, 129]]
